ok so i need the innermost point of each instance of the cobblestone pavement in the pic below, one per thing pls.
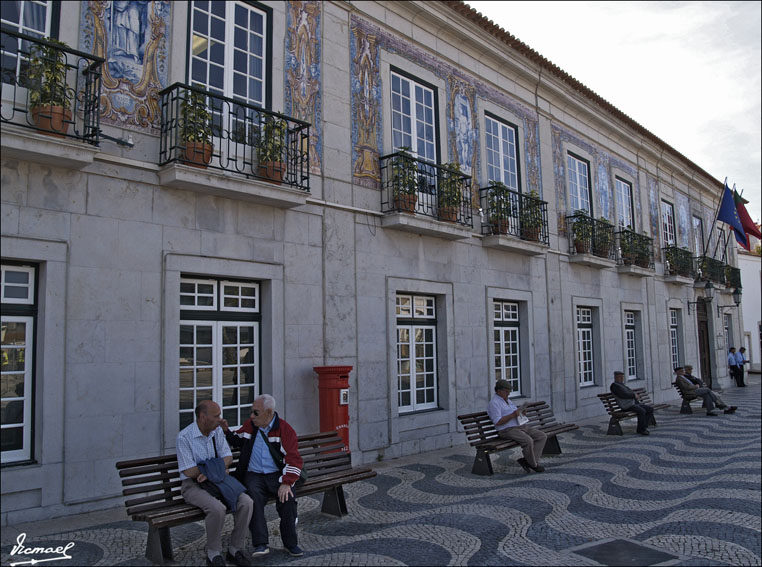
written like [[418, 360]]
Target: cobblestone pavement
[[689, 494]]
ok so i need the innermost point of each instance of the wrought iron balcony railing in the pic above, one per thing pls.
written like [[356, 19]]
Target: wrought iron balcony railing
[[516, 214], [710, 269], [49, 87], [635, 249], [419, 187], [204, 129], [678, 261], [590, 236], [733, 277]]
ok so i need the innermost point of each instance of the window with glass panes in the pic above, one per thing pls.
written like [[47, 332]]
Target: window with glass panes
[[585, 346], [578, 172], [416, 352], [728, 328], [698, 236], [506, 338], [17, 327], [219, 346], [624, 203], [631, 345], [27, 17], [668, 223], [502, 152], [674, 336], [413, 117]]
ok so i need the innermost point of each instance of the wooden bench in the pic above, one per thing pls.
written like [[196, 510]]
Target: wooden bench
[[481, 433], [687, 399], [617, 414], [153, 487]]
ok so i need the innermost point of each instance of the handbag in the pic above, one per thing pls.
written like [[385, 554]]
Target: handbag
[[279, 461]]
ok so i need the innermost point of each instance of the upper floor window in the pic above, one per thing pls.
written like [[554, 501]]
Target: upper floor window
[[230, 50], [30, 18], [698, 236], [413, 105], [501, 144], [668, 223], [579, 183], [624, 203]]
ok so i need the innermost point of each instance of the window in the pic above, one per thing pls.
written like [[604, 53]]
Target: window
[[17, 328], [413, 106], [416, 352], [30, 18], [502, 152], [698, 236], [624, 203], [674, 336], [668, 223], [585, 346], [507, 344], [579, 183], [728, 328], [631, 344], [219, 346]]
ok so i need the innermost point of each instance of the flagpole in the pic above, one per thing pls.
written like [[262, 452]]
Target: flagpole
[[714, 221]]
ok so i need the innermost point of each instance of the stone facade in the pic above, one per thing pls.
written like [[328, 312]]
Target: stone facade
[[111, 233]]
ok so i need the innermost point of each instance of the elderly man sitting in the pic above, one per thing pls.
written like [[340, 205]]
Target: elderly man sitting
[[691, 386]]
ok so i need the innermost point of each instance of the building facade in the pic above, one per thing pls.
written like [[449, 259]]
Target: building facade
[[401, 187]]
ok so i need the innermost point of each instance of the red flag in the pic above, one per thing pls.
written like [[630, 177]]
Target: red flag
[[748, 225]]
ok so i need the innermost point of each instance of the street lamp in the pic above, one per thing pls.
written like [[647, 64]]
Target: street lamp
[[736, 299], [708, 296]]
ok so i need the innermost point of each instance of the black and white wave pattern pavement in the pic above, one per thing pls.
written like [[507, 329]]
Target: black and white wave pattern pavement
[[689, 494]]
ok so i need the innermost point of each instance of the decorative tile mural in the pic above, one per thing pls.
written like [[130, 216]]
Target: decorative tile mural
[[682, 208], [132, 37], [461, 116], [302, 72], [653, 201]]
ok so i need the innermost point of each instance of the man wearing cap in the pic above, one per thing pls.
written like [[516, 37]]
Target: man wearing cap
[[628, 400], [694, 387], [505, 415]]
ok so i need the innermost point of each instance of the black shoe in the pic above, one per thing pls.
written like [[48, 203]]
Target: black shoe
[[241, 558], [731, 409], [524, 465], [711, 413], [645, 432], [295, 551], [537, 468], [216, 561]]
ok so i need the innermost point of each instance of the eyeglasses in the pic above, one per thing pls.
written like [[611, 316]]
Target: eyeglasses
[[255, 413]]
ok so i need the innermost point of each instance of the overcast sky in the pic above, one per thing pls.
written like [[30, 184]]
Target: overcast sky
[[688, 72]]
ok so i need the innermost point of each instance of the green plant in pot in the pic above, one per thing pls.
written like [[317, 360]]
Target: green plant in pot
[[642, 250], [49, 97], [271, 150], [196, 129], [449, 196], [530, 216], [627, 245], [603, 232], [404, 181], [582, 231], [499, 207]]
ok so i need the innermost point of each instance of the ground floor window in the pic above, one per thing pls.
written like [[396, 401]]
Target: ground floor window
[[416, 352], [631, 344], [674, 336], [585, 367], [506, 338]]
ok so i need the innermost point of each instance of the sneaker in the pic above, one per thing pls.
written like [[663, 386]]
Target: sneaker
[[711, 413], [538, 468], [524, 465], [260, 550], [295, 551], [216, 561], [240, 558]]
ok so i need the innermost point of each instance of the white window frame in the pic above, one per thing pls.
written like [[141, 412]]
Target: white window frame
[[668, 223], [624, 203], [416, 307], [195, 294], [25, 453], [674, 336], [578, 170], [501, 147], [631, 345], [727, 323], [253, 286], [507, 343], [5, 284], [418, 107], [585, 351], [22, 26]]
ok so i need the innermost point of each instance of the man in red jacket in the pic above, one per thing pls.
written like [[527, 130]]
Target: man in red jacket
[[264, 476]]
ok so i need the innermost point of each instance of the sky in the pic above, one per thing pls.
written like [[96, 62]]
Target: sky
[[688, 72]]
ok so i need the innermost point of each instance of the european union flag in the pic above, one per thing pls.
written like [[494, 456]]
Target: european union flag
[[729, 215]]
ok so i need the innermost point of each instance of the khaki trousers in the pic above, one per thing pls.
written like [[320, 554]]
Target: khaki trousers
[[532, 441]]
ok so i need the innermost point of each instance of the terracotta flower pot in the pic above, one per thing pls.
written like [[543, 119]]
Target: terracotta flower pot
[[198, 154], [531, 233], [499, 226], [405, 202], [52, 120], [273, 171], [449, 214]]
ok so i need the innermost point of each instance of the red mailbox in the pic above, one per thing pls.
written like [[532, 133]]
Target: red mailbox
[[333, 385]]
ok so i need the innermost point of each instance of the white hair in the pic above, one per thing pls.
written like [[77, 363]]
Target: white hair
[[267, 401]]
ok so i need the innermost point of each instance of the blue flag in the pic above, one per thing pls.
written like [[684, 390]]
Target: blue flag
[[729, 215]]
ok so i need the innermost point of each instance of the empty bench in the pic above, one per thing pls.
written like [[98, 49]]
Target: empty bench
[[617, 414], [152, 486], [481, 433]]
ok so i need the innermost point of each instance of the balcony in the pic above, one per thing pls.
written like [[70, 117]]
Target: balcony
[[513, 221], [635, 253], [733, 277], [218, 145], [50, 100], [678, 265], [591, 241], [425, 198], [710, 269]]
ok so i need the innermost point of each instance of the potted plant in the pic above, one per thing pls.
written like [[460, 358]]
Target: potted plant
[[530, 216], [582, 231], [642, 249], [448, 192], [404, 181], [602, 234], [196, 129], [271, 150], [49, 97], [499, 207]]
